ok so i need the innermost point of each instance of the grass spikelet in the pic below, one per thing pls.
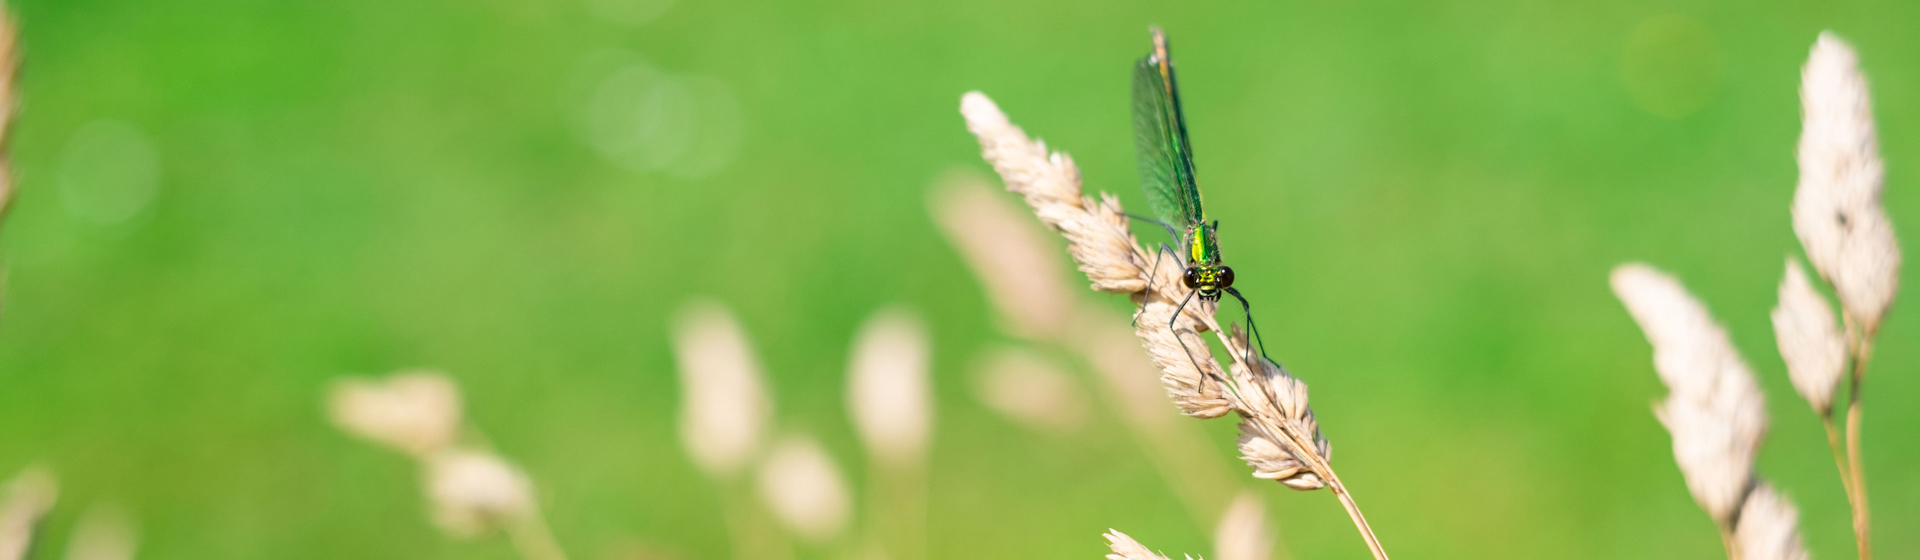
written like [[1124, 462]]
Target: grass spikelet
[[1836, 209], [1125, 548], [1713, 409], [1769, 527], [1809, 339]]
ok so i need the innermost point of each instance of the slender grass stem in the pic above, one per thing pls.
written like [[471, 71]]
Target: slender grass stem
[[533, 539], [1839, 449], [1862, 526], [751, 533], [1359, 519], [1856, 479], [1302, 442]]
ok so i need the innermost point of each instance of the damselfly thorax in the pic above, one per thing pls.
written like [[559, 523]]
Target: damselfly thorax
[[1205, 275]]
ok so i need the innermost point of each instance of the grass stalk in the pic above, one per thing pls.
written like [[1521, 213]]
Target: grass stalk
[[1856, 479], [1839, 449], [533, 539]]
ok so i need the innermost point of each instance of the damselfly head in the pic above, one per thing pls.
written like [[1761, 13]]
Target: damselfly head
[[1209, 281]]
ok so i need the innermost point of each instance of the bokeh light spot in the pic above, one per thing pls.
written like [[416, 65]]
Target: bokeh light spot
[[109, 171]]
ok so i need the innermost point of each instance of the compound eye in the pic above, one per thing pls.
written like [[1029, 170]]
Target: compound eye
[[1226, 277], [1193, 278]]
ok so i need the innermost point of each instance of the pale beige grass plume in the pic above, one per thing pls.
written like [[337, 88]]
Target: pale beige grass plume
[[9, 109], [805, 489], [887, 388], [725, 412], [1014, 262], [9, 103], [1280, 438], [105, 532], [1809, 339], [1242, 533], [1031, 390], [724, 404], [469, 490], [890, 400], [26, 500], [1715, 412], [1125, 548], [416, 412], [1848, 237]]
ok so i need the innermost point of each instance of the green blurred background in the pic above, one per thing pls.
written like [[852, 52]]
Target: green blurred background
[[224, 204]]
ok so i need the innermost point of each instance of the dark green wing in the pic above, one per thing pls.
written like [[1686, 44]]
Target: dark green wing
[[1160, 138]]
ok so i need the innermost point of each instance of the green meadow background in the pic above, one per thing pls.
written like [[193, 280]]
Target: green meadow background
[[225, 204]]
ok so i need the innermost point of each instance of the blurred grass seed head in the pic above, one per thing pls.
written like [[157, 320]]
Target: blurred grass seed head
[[416, 412], [888, 393], [805, 489], [724, 405]]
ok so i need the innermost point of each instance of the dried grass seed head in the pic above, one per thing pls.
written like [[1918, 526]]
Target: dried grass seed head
[[1115, 353], [724, 406], [470, 492], [1769, 527], [1243, 533], [1273, 405], [1196, 390], [415, 412], [1012, 257], [888, 388], [1097, 233], [1715, 448], [1837, 211], [9, 100], [1032, 391], [27, 499], [104, 532], [1125, 548], [1810, 339], [1714, 409], [805, 490]]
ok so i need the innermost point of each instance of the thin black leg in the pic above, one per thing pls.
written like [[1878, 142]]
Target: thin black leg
[[1183, 340], [1253, 331], [1171, 231], [1155, 273], [1151, 276]]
